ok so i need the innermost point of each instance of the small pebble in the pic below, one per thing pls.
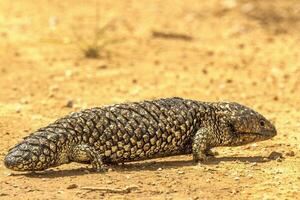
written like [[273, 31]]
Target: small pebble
[[8, 174], [70, 104], [18, 110], [134, 81], [68, 73], [72, 186], [254, 145], [275, 155], [266, 159], [159, 169], [24, 101], [102, 66], [110, 169], [234, 191], [290, 153], [180, 172], [53, 88]]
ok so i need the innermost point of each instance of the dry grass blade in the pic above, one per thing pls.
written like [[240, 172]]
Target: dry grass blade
[[111, 190]]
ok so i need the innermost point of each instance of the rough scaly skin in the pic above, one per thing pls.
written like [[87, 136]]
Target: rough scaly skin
[[138, 131]]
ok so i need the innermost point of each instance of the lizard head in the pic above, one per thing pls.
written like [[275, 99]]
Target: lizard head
[[32, 154], [25, 157], [245, 125]]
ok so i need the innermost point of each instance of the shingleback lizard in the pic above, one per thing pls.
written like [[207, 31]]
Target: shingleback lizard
[[137, 131]]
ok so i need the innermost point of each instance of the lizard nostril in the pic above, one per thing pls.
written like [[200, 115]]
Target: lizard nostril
[[11, 161]]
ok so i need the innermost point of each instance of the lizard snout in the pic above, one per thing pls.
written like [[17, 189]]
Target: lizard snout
[[24, 158], [16, 159], [273, 132]]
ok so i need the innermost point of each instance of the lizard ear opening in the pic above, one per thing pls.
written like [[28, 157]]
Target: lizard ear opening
[[231, 128]]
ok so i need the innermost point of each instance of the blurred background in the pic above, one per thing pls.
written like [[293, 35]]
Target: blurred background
[[62, 56]]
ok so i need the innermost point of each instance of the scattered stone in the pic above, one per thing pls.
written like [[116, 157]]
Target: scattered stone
[[180, 172], [266, 159], [236, 178], [102, 66], [152, 183], [234, 191], [157, 62], [159, 169], [24, 101], [32, 190], [110, 170], [229, 80], [18, 110], [8, 174], [254, 145], [72, 186], [68, 73], [70, 104], [275, 155], [102, 194], [290, 153], [210, 53], [54, 88], [204, 71]]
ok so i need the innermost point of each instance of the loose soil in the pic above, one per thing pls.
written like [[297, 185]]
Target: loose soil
[[244, 51]]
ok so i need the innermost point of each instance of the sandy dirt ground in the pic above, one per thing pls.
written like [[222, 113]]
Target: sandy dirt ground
[[245, 51]]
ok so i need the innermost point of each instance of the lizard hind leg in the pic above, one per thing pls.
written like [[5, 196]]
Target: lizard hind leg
[[86, 154]]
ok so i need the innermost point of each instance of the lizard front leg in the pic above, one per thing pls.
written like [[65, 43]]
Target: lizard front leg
[[200, 146], [86, 154]]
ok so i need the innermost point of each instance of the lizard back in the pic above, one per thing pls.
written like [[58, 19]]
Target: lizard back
[[135, 131]]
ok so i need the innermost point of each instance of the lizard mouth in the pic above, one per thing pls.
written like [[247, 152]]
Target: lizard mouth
[[242, 138]]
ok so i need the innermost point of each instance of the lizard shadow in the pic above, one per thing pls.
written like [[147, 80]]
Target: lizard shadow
[[154, 165], [172, 164]]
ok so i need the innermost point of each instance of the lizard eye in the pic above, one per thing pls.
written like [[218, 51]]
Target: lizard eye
[[262, 123]]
